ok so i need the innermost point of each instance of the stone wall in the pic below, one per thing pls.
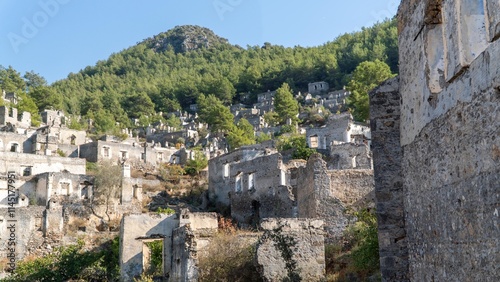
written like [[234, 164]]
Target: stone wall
[[131, 248], [39, 164], [222, 173], [387, 155], [248, 207], [449, 85], [326, 194], [352, 185], [23, 141], [301, 239], [350, 156], [193, 235]]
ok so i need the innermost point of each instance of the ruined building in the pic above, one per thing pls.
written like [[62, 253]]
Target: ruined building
[[436, 145], [255, 183]]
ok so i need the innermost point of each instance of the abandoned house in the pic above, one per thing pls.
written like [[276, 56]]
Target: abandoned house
[[316, 88], [339, 129]]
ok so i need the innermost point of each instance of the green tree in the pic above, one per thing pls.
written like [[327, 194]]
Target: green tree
[[241, 134], [46, 98], [108, 180], [139, 104], [26, 104], [11, 80], [285, 104], [365, 78], [174, 122], [298, 144], [215, 114], [195, 165], [34, 79]]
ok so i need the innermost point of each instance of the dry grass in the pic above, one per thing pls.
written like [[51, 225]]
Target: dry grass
[[228, 258]]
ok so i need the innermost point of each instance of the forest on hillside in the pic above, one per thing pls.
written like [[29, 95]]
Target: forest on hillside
[[170, 71]]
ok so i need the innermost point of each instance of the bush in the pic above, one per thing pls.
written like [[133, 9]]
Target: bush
[[365, 254], [228, 258], [71, 262]]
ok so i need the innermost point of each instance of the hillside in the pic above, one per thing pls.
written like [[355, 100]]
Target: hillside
[[169, 71]]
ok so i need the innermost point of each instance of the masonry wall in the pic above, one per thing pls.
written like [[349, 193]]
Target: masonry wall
[[387, 155], [449, 134], [326, 194], [135, 226], [350, 156], [221, 172], [28, 221], [24, 141], [249, 207], [39, 164], [303, 238]]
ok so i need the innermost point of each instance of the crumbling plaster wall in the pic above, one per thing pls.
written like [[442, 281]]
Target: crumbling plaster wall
[[306, 247], [449, 136], [39, 164], [350, 156], [138, 225]]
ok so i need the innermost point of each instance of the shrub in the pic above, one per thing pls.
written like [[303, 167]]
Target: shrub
[[165, 211], [228, 258], [71, 262]]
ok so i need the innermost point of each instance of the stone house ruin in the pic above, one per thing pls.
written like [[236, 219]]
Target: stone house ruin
[[436, 145], [254, 183], [134, 153], [182, 235], [320, 87], [17, 121], [339, 129]]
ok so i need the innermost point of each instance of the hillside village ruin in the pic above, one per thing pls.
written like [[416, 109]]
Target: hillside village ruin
[[432, 178], [256, 182]]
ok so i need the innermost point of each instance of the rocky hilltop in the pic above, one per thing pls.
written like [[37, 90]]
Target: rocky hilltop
[[185, 38]]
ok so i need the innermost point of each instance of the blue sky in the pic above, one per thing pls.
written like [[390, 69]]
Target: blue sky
[[56, 37]]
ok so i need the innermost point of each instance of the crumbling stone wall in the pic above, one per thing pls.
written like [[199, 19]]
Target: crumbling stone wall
[[135, 226], [248, 207], [39, 164], [224, 170], [350, 156], [192, 236], [292, 248], [326, 194], [387, 156], [449, 128]]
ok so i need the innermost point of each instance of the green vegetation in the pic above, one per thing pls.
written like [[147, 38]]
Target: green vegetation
[[298, 144], [286, 106], [228, 258], [156, 262], [161, 210], [71, 262], [357, 258], [365, 78], [241, 134], [199, 162]]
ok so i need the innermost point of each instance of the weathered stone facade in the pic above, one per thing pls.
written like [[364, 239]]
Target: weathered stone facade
[[226, 171], [387, 156], [182, 235], [326, 194], [449, 127], [300, 239], [338, 129]]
